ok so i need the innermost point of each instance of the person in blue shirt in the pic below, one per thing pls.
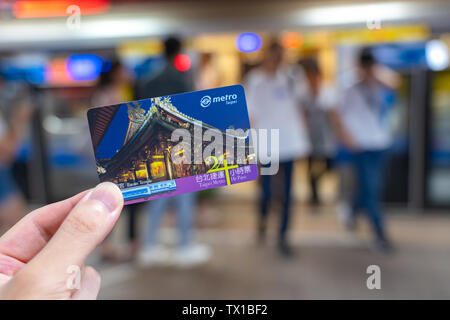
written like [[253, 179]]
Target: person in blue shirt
[[364, 118]]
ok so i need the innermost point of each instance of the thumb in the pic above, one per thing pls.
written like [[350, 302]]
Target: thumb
[[82, 231]]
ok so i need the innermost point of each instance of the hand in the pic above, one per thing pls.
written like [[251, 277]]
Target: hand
[[349, 143], [344, 136], [40, 253], [387, 77]]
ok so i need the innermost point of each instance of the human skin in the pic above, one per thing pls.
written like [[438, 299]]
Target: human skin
[[39, 253]]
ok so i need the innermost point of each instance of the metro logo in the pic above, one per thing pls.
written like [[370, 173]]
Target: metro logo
[[226, 97], [206, 101]]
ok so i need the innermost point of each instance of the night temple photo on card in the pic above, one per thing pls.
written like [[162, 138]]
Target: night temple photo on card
[[133, 147]]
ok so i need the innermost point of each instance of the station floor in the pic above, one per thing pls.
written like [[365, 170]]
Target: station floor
[[330, 263]]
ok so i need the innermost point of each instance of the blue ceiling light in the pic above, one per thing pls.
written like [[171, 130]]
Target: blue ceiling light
[[248, 42], [84, 67]]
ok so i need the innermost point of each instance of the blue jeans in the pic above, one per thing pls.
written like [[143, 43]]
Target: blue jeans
[[369, 171], [266, 197], [185, 208]]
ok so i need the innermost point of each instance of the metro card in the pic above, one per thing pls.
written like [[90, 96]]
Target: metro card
[[165, 146]]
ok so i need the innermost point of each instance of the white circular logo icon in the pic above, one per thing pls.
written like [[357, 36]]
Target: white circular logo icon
[[205, 101]]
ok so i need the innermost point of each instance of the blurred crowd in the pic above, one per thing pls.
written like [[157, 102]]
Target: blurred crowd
[[324, 126], [332, 129]]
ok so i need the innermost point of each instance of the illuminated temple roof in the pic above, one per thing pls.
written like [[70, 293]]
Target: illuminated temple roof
[[165, 104], [137, 117], [141, 128]]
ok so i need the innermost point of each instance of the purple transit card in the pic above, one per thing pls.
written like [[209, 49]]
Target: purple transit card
[[164, 146]]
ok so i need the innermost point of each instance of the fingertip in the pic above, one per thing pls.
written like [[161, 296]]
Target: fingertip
[[84, 228], [113, 189], [109, 194]]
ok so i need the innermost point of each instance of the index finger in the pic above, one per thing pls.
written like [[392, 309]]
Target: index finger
[[27, 237]]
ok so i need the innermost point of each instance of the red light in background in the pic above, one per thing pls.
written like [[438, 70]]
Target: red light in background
[[182, 62], [56, 8]]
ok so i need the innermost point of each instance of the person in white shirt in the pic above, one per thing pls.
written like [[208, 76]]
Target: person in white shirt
[[362, 116], [272, 104]]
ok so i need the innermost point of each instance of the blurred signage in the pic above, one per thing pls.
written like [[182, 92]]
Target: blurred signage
[[77, 70], [401, 55], [150, 47], [28, 66], [385, 34], [24, 9]]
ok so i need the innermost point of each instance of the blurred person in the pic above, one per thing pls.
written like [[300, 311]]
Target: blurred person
[[207, 76], [368, 139], [114, 86], [15, 114], [47, 247], [318, 102], [166, 82], [272, 104], [343, 163]]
